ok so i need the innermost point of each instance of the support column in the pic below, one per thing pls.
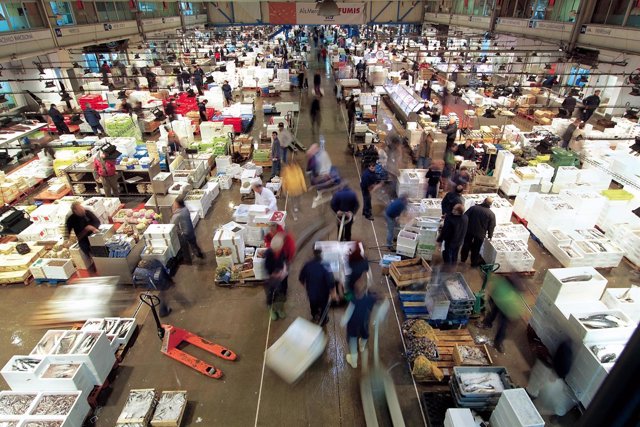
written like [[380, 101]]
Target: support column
[[585, 12]]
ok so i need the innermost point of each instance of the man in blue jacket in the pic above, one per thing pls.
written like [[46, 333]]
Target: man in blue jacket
[[368, 183], [198, 79], [391, 214], [93, 119], [345, 203]]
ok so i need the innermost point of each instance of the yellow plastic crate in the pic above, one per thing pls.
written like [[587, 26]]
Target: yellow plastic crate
[[617, 194]]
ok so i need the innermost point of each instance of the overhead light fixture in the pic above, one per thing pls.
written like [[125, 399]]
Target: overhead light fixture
[[39, 67], [547, 66], [100, 56], [460, 67], [3, 98], [488, 113], [497, 53], [122, 94], [76, 65], [206, 55], [512, 48], [534, 54], [484, 78], [81, 89], [635, 91], [483, 60], [327, 8], [531, 78], [49, 84], [87, 71], [502, 67], [584, 79], [518, 59], [136, 56]]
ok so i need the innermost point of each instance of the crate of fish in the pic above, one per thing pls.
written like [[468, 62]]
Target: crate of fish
[[471, 355], [139, 408], [15, 404], [119, 330], [458, 292], [48, 342], [63, 409], [65, 377], [479, 387], [170, 409], [91, 348], [600, 326], [459, 313], [20, 371]]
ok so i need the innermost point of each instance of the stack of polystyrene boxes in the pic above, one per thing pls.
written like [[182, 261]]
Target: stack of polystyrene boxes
[[119, 330], [427, 230], [617, 208], [431, 207], [222, 164], [459, 417], [199, 201], [512, 255], [627, 300], [515, 409], [580, 248], [560, 296], [96, 205], [412, 183], [588, 205], [527, 178], [161, 242], [511, 232], [406, 243], [566, 178], [501, 207], [627, 236], [231, 238], [64, 409]]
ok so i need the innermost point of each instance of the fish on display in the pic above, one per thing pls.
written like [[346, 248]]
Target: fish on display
[[602, 321]]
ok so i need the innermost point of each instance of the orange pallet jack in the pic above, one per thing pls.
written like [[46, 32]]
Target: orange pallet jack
[[173, 337]]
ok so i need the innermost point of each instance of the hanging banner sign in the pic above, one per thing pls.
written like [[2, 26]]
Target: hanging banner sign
[[307, 13], [350, 14]]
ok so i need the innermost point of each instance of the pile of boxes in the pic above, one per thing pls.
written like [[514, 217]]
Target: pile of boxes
[[515, 409], [230, 237], [407, 243], [426, 229], [412, 183], [568, 296], [501, 207], [512, 255], [35, 408], [52, 269], [161, 242]]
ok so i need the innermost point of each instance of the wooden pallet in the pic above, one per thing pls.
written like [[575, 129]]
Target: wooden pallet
[[447, 340]]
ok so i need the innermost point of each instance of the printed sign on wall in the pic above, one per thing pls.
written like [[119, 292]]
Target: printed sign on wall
[[307, 13]]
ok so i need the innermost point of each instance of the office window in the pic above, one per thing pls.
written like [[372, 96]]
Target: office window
[[16, 16], [148, 8], [187, 8], [20, 16], [84, 13], [34, 14], [124, 11], [107, 11], [611, 12], [11, 101], [62, 12]]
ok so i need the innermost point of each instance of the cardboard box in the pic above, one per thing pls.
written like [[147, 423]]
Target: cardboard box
[[105, 232], [161, 182]]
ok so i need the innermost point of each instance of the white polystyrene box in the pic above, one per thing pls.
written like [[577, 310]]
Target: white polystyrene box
[[58, 268], [99, 359], [629, 306], [21, 380], [579, 332], [573, 291]]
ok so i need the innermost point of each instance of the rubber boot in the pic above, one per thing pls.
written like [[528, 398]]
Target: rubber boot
[[273, 313], [352, 360], [362, 345], [279, 307]]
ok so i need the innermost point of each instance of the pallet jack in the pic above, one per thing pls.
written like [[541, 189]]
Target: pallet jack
[[173, 337], [479, 303], [377, 390]]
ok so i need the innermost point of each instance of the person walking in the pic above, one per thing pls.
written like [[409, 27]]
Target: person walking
[[105, 70], [345, 204], [314, 112], [425, 92], [351, 115], [181, 218], [360, 68], [198, 79], [228, 94], [453, 233], [185, 79], [202, 110], [58, 120], [286, 141], [391, 215], [434, 173], [317, 80], [320, 286], [481, 222], [276, 155], [368, 183], [276, 265], [451, 199], [591, 104], [83, 223], [105, 169], [568, 133], [568, 106], [93, 119], [505, 305], [451, 130], [357, 319]]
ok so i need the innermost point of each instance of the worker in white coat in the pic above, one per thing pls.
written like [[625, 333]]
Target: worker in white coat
[[264, 196]]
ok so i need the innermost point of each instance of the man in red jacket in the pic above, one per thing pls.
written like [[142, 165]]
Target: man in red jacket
[[107, 175], [289, 246]]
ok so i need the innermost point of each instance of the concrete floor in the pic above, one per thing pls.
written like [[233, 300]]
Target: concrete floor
[[249, 393]]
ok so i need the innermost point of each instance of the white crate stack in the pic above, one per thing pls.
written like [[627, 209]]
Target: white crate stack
[[566, 178], [511, 232], [199, 201], [588, 204], [161, 242], [64, 408], [119, 330], [459, 417], [515, 409], [412, 183], [512, 255], [427, 230], [231, 238], [431, 207], [627, 236], [627, 300], [501, 207]]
